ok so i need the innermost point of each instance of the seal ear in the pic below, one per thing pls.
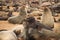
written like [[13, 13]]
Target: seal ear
[[17, 32]]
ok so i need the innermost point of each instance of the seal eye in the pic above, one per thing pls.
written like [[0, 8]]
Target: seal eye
[[40, 14], [39, 18]]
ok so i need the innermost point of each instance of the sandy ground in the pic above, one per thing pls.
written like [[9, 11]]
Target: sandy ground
[[6, 25]]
